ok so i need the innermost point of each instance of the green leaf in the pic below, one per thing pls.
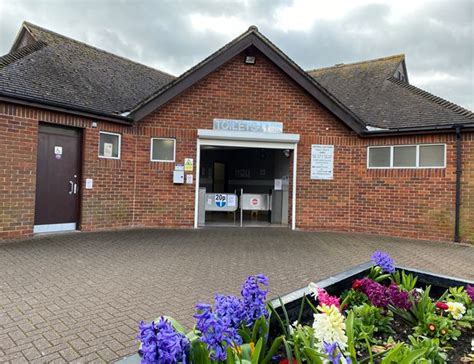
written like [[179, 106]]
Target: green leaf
[[313, 356], [289, 353], [245, 334], [199, 353], [280, 321], [392, 354], [350, 335], [257, 351], [273, 349], [230, 355], [315, 310], [415, 354], [300, 314], [285, 313], [382, 277]]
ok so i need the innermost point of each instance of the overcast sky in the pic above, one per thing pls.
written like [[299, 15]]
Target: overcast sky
[[436, 36]]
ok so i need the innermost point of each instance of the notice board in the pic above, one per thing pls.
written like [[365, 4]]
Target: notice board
[[322, 161]]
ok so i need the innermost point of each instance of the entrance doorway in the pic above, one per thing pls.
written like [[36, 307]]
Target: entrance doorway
[[242, 186], [58, 178]]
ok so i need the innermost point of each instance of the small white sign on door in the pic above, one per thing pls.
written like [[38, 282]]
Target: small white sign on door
[[58, 150], [108, 149]]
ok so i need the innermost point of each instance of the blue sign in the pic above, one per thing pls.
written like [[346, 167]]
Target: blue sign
[[220, 200]]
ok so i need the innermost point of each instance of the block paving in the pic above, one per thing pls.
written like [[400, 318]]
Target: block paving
[[79, 297]]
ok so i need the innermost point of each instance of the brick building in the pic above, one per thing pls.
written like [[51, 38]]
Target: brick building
[[92, 141]]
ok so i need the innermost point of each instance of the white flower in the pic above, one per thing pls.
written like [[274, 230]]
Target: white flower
[[313, 289], [294, 326], [329, 327], [456, 309]]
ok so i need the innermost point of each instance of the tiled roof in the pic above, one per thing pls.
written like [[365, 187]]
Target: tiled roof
[[62, 70], [372, 91], [51, 68]]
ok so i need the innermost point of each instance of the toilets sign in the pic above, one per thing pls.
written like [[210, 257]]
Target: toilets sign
[[248, 125]]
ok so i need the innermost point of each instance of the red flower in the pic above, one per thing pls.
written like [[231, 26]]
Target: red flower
[[285, 361], [442, 305], [357, 284]]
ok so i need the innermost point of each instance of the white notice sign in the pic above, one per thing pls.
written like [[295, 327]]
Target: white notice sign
[[108, 149], [189, 179], [322, 161], [232, 200], [89, 183], [278, 184]]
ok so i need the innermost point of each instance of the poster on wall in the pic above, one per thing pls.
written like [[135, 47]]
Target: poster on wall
[[188, 164], [322, 161], [108, 149]]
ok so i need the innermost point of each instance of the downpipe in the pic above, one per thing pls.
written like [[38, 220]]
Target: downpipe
[[457, 217]]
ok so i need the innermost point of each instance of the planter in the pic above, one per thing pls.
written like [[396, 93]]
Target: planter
[[335, 285]]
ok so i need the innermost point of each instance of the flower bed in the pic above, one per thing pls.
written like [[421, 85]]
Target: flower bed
[[371, 315]]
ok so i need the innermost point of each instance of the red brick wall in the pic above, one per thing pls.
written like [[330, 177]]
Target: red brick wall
[[18, 136], [134, 192]]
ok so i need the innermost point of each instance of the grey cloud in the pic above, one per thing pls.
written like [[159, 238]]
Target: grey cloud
[[437, 37]]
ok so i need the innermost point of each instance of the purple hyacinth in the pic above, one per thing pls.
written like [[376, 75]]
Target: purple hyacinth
[[376, 293], [216, 332], [229, 308], [331, 351], [398, 297], [384, 261], [161, 343], [253, 298], [470, 292]]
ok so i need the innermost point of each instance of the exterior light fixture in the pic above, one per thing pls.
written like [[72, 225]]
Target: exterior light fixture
[[250, 59]]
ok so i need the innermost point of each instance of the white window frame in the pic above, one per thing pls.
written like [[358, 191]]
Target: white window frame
[[163, 160], [417, 156], [119, 144]]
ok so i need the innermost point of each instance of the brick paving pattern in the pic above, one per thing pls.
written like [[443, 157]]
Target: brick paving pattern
[[79, 297]]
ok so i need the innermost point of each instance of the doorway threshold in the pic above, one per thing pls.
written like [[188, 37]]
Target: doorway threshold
[[54, 228], [250, 224]]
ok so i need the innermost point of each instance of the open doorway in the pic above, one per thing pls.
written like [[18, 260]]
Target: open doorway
[[243, 186]]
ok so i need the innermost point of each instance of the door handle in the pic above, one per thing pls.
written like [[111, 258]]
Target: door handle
[[75, 188], [72, 187]]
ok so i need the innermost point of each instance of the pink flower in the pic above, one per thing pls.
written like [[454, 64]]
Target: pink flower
[[325, 299]]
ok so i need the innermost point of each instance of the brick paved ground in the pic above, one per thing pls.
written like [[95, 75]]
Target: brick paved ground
[[79, 297]]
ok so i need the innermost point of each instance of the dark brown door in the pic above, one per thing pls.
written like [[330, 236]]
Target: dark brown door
[[58, 175]]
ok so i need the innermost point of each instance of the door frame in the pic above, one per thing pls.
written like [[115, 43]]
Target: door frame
[[64, 226], [284, 141]]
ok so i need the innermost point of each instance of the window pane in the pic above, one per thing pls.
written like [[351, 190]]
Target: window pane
[[379, 157], [431, 155], [404, 156], [163, 150], [109, 145]]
